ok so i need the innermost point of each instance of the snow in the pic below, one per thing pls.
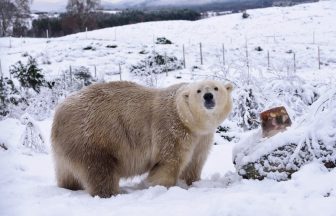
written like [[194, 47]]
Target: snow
[[27, 179], [30, 190], [318, 124]]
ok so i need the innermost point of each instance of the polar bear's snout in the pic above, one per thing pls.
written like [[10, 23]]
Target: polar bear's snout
[[209, 101]]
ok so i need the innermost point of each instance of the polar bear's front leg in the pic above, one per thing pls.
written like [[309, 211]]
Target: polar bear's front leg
[[164, 173], [172, 158], [193, 170]]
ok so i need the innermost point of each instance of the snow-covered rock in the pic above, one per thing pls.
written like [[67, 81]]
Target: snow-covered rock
[[278, 157]]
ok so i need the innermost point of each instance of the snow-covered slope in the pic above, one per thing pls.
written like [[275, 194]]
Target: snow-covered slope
[[281, 31], [27, 184]]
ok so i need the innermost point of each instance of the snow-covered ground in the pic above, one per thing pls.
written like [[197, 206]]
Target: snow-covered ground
[[27, 184], [28, 188]]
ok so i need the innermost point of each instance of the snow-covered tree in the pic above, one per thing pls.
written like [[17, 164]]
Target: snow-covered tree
[[247, 108], [82, 6], [10, 97], [32, 137], [13, 11]]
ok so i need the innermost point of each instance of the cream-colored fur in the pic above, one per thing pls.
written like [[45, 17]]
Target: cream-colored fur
[[120, 129]]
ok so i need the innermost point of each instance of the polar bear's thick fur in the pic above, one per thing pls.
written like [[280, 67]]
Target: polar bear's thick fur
[[121, 129]]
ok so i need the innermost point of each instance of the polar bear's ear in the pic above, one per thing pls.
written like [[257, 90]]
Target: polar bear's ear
[[229, 87], [185, 94]]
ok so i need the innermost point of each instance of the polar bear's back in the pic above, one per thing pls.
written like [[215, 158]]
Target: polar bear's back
[[114, 117]]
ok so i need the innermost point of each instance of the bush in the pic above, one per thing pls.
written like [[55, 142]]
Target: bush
[[111, 46], [258, 48], [245, 15], [163, 40], [28, 75], [247, 108], [83, 74], [89, 48], [32, 137], [9, 96], [75, 79], [156, 64]]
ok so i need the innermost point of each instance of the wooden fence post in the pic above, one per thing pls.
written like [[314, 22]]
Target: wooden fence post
[[166, 66], [247, 62], [223, 54], [95, 71], [70, 70], [201, 53], [115, 33], [294, 59], [120, 72], [0, 69], [184, 60]]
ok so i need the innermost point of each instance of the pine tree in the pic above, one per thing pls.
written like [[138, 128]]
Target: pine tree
[[28, 75]]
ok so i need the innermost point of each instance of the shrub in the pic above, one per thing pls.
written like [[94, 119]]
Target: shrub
[[83, 74], [163, 40], [9, 96], [245, 15], [258, 48], [28, 75], [247, 108], [32, 137], [111, 46], [76, 78], [156, 64], [89, 48]]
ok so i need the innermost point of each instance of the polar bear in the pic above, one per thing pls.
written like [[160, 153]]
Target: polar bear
[[121, 129]]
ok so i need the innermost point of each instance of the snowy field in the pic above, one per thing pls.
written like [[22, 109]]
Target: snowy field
[[27, 183]]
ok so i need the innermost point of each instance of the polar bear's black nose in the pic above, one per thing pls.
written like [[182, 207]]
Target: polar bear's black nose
[[208, 96], [209, 102]]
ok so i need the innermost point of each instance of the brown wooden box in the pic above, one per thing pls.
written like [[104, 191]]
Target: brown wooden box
[[274, 121]]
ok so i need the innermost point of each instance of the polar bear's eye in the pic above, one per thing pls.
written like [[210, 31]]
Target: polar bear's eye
[[198, 91], [216, 89]]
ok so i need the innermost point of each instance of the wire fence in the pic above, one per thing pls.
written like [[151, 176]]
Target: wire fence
[[286, 54]]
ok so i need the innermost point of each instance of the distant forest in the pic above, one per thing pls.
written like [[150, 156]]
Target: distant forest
[[220, 6], [70, 23]]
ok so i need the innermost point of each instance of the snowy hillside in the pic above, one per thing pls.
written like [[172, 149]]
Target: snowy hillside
[[277, 56]]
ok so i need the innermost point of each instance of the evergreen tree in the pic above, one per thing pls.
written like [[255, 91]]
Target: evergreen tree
[[28, 75]]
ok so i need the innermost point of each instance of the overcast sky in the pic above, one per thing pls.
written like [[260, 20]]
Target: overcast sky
[[56, 5]]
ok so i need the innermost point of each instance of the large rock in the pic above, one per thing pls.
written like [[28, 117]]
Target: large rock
[[313, 138]]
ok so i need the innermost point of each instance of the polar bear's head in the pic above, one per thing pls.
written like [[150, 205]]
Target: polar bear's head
[[203, 106]]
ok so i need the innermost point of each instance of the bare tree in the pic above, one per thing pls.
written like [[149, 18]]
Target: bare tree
[[7, 14], [82, 10], [13, 11], [82, 6]]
